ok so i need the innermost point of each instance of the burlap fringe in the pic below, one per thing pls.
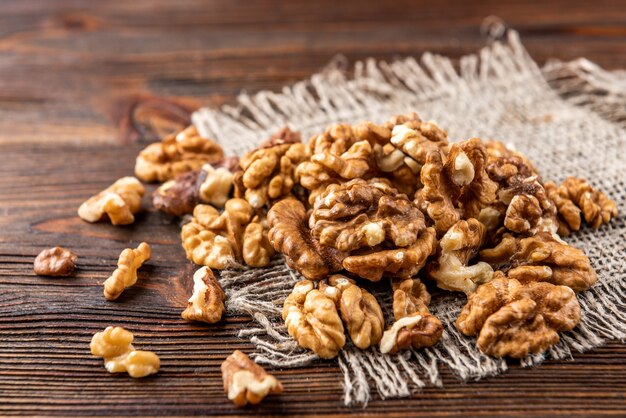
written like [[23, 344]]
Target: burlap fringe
[[332, 96]]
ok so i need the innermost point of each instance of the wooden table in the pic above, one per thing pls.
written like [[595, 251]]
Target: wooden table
[[83, 86]]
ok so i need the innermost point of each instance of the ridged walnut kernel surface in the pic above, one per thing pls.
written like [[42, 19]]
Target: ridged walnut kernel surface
[[126, 273], [514, 319], [245, 382], [312, 319], [118, 202], [206, 304], [114, 345], [56, 261]]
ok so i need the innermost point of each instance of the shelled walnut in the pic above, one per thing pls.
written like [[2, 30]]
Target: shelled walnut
[[458, 246], [126, 273], [56, 261], [208, 185], [312, 320], [359, 309], [575, 197], [289, 234], [515, 319], [207, 301], [176, 154], [414, 325], [381, 231], [114, 344], [268, 171], [220, 240], [561, 264], [247, 382], [118, 202], [456, 186]]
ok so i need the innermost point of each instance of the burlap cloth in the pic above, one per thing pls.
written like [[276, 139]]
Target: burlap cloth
[[569, 118]]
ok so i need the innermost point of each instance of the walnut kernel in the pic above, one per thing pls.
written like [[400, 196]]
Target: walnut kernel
[[119, 202], [207, 301], [247, 382], [56, 261], [126, 273]]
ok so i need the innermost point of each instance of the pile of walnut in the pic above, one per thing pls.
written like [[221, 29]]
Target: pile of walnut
[[398, 202]]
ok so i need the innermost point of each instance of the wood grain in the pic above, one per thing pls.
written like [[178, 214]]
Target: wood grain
[[84, 85]]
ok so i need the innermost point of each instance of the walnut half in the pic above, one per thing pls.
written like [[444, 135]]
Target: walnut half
[[247, 382], [516, 319], [114, 344], [57, 261], [119, 202], [207, 301]]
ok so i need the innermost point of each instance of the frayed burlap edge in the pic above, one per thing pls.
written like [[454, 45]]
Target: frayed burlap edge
[[385, 88]]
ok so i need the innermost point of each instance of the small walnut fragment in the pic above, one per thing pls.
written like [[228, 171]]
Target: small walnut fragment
[[207, 301], [312, 319], [414, 325], [516, 319], [381, 231], [290, 235], [359, 309], [458, 246], [118, 202], [114, 344], [56, 261], [268, 171], [176, 154], [126, 273], [561, 264], [215, 185], [574, 197], [245, 382], [228, 239]]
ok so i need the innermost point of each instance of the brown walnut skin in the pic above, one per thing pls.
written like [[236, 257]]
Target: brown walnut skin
[[55, 262], [180, 196], [289, 234], [517, 319]]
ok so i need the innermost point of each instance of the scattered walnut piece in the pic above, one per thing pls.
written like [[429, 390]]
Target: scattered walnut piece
[[247, 382], [268, 171], [381, 231], [359, 310], [516, 319], [119, 202], [176, 154], [114, 344], [126, 273], [56, 261], [207, 301], [457, 247], [312, 319], [575, 196], [179, 196], [290, 235], [561, 263], [414, 325], [227, 239]]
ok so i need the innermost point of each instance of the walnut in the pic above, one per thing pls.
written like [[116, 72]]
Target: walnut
[[290, 235], [119, 202], [381, 230], [176, 154], [359, 310], [179, 196], [414, 326], [215, 185], [207, 301], [235, 236], [458, 246], [126, 273], [268, 171], [312, 319], [456, 186], [56, 261], [516, 319], [247, 382], [498, 151], [529, 209], [336, 155], [575, 196], [114, 344], [562, 264], [409, 296]]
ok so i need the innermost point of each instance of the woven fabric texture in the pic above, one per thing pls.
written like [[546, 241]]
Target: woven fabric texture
[[569, 118]]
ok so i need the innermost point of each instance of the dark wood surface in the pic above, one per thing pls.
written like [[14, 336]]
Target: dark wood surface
[[84, 85]]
